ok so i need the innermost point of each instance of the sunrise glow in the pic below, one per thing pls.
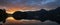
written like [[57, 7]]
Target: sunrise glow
[[12, 10]]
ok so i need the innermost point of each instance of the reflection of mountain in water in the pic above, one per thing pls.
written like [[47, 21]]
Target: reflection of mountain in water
[[29, 22]]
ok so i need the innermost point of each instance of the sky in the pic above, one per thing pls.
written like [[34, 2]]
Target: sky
[[29, 5]]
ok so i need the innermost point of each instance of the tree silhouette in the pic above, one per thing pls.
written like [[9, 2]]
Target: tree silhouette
[[3, 15]]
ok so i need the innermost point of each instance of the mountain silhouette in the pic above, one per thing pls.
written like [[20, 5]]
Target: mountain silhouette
[[54, 15], [37, 15], [19, 15], [42, 15]]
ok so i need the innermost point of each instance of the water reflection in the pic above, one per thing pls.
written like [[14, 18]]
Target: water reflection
[[12, 21]]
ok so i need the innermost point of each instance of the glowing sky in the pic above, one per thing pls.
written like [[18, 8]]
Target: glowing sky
[[13, 5]]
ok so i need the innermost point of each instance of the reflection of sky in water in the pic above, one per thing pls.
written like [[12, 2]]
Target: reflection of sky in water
[[12, 21]]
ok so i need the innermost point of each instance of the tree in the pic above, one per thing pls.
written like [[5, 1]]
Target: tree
[[3, 15]]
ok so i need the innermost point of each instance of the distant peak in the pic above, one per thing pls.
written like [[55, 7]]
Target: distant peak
[[42, 10], [58, 8]]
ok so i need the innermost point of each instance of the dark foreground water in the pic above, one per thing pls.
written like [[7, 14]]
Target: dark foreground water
[[12, 21]]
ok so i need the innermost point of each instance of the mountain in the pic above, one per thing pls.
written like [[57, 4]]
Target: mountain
[[54, 15]]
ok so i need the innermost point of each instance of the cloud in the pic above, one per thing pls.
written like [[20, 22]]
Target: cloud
[[39, 4]]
